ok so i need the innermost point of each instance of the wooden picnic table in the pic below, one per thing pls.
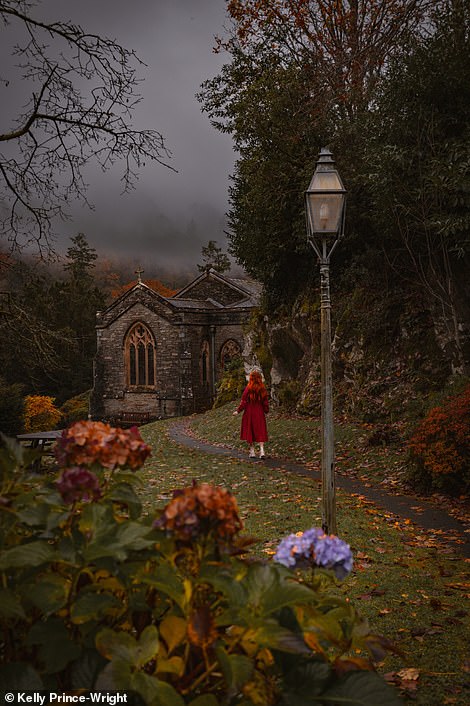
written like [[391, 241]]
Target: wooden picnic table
[[40, 440]]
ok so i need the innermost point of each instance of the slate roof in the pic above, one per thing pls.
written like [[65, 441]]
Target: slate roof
[[248, 290]]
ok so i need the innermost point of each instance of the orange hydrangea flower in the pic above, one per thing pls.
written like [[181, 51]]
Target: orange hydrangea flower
[[85, 443], [201, 509]]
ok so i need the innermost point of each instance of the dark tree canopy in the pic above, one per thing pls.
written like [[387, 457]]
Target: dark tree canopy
[[385, 85], [81, 93]]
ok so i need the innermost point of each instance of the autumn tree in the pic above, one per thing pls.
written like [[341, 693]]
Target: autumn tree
[[40, 413], [154, 284], [81, 92], [302, 75], [347, 43]]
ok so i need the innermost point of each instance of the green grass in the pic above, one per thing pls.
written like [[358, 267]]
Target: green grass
[[298, 439], [410, 585]]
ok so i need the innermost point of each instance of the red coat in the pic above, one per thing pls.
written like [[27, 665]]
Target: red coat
[[253, 421]]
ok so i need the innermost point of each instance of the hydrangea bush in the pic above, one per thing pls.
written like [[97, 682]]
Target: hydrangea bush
[[171, 607]]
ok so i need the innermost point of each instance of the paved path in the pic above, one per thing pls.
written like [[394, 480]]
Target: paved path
[[427, 516]]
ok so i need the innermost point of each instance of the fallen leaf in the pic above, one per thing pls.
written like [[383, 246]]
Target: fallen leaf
[[410, 673]]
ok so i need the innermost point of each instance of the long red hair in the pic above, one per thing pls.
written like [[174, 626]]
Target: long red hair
[[256, 390]]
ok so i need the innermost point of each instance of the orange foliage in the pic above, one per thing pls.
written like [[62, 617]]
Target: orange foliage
[[440, 444], [347, 42], [88, 443], [40, 413], [199, 510], [154, 284]]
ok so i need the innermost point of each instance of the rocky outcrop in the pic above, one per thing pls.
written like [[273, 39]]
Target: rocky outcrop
[[387, 355]]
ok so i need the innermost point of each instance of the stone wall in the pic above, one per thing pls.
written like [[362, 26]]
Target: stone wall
[[111, 393]]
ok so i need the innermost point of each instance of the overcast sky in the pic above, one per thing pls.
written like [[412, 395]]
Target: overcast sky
[[153, 224]]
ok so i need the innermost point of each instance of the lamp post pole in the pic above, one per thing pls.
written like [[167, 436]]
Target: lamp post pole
[[325, 208], [327, 427]]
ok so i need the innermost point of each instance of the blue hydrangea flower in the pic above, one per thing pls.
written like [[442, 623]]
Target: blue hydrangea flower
[[315, 548], [332, 553], [285, 553]]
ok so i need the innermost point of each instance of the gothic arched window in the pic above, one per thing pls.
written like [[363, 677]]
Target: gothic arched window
[[229, 350], [139, 351]]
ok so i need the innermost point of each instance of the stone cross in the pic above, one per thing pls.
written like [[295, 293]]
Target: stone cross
[[138, 272]]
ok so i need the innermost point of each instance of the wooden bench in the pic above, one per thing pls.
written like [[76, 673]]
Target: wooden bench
[[130, 419]]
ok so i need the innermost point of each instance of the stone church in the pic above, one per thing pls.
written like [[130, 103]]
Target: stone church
[[163, 356]]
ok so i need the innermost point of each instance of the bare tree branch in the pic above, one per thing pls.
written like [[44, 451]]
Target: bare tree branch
[[84, 89]]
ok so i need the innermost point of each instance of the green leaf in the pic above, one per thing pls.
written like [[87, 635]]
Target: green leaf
[[67, 550], [84, 670], [49, 594], [154, 691], [362, 689], [18, 676], [94, 517], [56, 648], [271, 634], [34, 514], [225, 583], [14, 455], [284, 592], [90, 606], [125, 647], [166, 580], [260, 577], [129, 477], [10, 605], [116, 645], [269, 590], [147, 646], [117, 540], [306, 680], [124, 493], [27, 555], [237, 670], [117, 675], [134, 536]]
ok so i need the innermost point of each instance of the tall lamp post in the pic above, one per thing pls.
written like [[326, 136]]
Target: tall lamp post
[[325, 201]]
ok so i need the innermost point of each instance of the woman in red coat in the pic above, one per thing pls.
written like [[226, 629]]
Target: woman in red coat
[[254, 405]]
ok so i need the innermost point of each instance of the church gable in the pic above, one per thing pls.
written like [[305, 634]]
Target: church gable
[[138, 295], [213, 287]]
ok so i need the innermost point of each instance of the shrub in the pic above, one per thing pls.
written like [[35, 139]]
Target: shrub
[[95, 596], [11, 408], [76, 408], [439, 447], [40, 413], [288, 394], [232, 382]]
